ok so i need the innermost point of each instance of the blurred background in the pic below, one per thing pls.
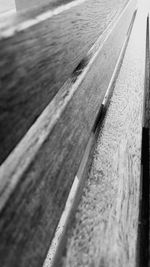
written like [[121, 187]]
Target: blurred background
[[7, 6]]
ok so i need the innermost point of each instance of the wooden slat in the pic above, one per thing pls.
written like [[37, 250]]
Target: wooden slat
[[38, 53], [105, 229], [36, 178], [22, 5], [58, 244]]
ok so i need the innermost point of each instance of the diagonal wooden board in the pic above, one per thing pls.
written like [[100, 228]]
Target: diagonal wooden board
[[39, 50], [105, 230], [36, 177]]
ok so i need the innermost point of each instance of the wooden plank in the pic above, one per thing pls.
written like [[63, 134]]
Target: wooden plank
[[22, 5], [38, 53], [33, 188], [105, 229], [58, 244]]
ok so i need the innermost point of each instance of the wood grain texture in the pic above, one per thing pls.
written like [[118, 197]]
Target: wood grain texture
[[58, 244], [33, 187], [23, 5], [105, 228], [36, 62], [146, 112]]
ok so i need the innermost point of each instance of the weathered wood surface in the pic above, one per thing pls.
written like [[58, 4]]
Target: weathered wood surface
[[36, 178], [22, 5], [58, 244], [106, 223], [38, 53], [146, 117]]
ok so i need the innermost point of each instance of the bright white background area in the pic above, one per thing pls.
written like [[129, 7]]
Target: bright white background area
[[7, 5]]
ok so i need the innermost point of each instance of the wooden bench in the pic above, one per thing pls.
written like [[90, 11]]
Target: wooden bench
[[57, 70], [108, 229]]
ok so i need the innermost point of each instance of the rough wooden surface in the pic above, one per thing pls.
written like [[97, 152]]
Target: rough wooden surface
[[33, 188], [146, 115], [36, 60], [22, 5], [58, 244], [106, 223]]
